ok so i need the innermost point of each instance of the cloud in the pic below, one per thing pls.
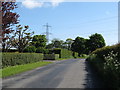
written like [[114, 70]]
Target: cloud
[[32, 4], [56, 2], [38, 3]]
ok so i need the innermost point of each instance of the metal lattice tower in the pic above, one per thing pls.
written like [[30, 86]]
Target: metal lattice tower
[[47, 32]]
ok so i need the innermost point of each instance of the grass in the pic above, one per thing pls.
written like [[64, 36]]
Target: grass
[[13, 70], [63, 59], [72, 58]]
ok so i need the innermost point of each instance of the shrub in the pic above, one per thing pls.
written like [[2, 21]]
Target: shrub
[[66, 53], [51, 56], [46, 51], [12, 59], [63, 53], [107, 61], [40, 50], [30, 49], [75, 54]]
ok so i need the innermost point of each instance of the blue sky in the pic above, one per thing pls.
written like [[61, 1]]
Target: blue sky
[[72, 19]]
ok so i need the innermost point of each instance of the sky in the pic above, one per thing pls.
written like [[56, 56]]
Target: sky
[[71, 19]]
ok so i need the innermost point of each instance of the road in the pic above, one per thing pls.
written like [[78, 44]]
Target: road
[[72, 73]]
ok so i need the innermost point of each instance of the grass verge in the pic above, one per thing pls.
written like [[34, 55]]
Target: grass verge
[[64, 59], [13, 70], [72, 58]]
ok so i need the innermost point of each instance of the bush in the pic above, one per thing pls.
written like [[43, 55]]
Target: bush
[[30, 49], [51, 56], [40, 50], [107, 61], [63, 53], [46, 51], [75, 54], [12, 59], [66, 53]]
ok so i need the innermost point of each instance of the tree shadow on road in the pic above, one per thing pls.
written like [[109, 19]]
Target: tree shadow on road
[[92, 80]]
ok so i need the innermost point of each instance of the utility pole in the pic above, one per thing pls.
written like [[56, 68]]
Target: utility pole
[[47, 32]]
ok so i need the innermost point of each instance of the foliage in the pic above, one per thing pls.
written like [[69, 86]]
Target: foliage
[[63, 53], [56, 50], [30, 49], [46, 51], [51, 56], [66, 53], [75, 54], [107, 61], [22, 37], [57, 43], [39, 41], [86, 46], [9, 18], [78, 45], [40, 50], [49, 46], [68, 43], [12, 59], [12, 70], [96, 41]]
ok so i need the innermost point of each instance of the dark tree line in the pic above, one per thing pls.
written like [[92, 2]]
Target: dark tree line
[[86, 46]]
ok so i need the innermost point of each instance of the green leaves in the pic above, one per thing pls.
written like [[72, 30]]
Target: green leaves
[[107, 63], [39, 41], [23, 37]]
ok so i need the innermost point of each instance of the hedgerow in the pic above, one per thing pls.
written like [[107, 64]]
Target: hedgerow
[[107, 62], [12, 59], [51, 56]]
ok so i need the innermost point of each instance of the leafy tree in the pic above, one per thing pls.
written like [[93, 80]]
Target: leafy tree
[[87, 44], [96, 41], [22, 37], [49, 46], [78, 45], [57, 43], [39, 41], [69, 42], [40, 50], [30, 49], [9, 18]]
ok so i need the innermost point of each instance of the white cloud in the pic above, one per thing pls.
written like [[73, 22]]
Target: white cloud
[[39, 3], [56, 2], [32, 3]]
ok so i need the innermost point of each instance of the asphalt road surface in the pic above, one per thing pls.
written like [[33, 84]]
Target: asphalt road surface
[[73, 73]]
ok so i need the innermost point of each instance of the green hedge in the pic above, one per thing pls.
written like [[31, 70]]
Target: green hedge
[[51, 56], [12, 59], [66, 53], [107, 62]]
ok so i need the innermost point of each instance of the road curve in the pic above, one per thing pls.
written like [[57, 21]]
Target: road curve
[[72, 73]]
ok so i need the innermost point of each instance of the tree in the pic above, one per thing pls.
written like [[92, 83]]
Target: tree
[[30, 49], [39, 41], [78, 45], [49, 46], [22, 37], [57, 43], [87, 45], [96, 41], [40, 50], [9, 18], [69, 42]]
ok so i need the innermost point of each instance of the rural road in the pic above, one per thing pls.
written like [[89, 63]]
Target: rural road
[[72, 73]]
